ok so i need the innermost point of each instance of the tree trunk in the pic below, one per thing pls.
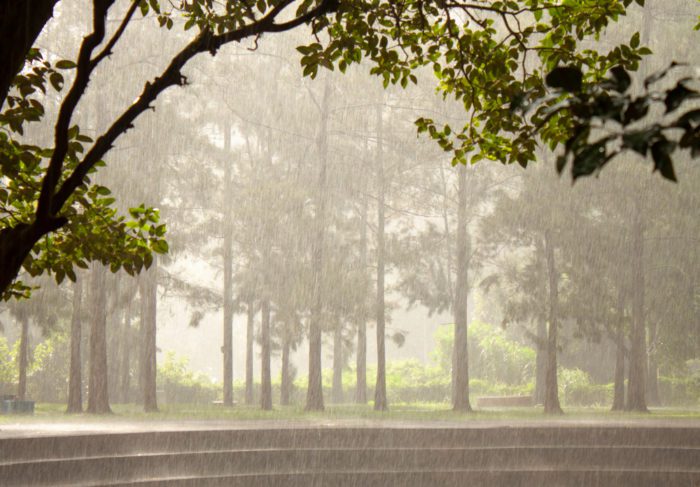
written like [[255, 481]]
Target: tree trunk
[[380, 400], [619, 385], [337, 391], [125, 359], [540, 361], [75, 380], [147, 362], [314, 392], [250, 331], [361, 355], [23, 356], [653, 369], [228, 273], [286, 385], [551, 394], [98, 386], [17, 242], [21, 21], [265, 375], [460, 369], [636, 386], [114, 343]]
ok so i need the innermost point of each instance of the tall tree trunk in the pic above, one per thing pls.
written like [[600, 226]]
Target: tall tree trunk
[[228, 273], [337, 391], [147, 362], [619, 381], [286, 385], [636, 387], [265, 375], [380, 399], [540, 361], [551, 395], [23, 356], [114, 342], [314, 392], [250, 331], [98, 386], [460, 369], [75, 380], [653, 369], [361, 355], [125, 358]]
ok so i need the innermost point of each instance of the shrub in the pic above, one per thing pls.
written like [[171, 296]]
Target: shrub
[[181, 385]]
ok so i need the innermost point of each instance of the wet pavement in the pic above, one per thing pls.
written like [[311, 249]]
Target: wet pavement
[[24, 429]]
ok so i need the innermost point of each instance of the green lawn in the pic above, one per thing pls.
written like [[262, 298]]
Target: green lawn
[[411, 412]]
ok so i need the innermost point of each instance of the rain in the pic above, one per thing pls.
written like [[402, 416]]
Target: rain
[[339, 243]]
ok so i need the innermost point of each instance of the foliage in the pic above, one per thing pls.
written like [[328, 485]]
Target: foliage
[[46, 372], [90, 226], [181, 385], [493, 357], [606, 118], [477, 51], [680, 391], [575, 388]]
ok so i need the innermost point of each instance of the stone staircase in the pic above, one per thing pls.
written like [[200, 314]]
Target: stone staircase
[[473, 455]]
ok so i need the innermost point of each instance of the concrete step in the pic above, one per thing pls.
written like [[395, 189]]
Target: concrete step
[[142, 467], [102, 444], [455, 478]]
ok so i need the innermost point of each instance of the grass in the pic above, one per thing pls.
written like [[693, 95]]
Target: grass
[[45, 412]]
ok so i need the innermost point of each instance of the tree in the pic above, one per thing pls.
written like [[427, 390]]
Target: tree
[[398, 38], [75, 380]]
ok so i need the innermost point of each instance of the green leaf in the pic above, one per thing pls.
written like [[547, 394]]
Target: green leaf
[[677, 96], [661, 152], [65, 64], [56, 80], [621, 78], [567, 78]]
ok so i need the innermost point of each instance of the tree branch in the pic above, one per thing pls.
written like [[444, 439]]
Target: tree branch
[[172, 75], [45, 209]]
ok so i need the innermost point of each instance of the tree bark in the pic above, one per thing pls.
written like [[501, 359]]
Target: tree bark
[[147, 362], [460, 368], [17, 242], [21, 22], [98, 386], [250, 331], [23, 356], [337, 390], [380, 399], [265, 375], [286, 384], [228, 273], [551, 395], [314, 392], [619, 381], [75, 380], [653, 368], [540, 361], [361, 354], [636, 386], [125, 359]]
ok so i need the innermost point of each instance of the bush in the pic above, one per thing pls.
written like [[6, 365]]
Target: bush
[[181, 385], [576, 389], [493, 356], [680, 391]]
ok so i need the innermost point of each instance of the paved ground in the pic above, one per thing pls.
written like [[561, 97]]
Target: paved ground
[[91, 426]]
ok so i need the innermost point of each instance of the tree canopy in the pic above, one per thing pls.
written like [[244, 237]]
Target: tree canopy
[[482, 54]]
